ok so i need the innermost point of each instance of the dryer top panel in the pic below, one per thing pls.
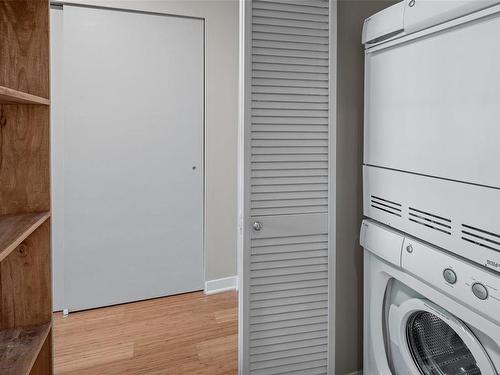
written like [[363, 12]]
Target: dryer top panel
[[384, 25], [410, 16]]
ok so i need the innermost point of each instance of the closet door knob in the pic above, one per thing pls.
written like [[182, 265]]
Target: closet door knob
[[257, 226]]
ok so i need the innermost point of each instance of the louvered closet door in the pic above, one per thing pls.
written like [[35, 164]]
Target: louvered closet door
[[284, 297]]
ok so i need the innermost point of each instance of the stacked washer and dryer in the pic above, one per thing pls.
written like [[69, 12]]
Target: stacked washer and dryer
[[432, 189]]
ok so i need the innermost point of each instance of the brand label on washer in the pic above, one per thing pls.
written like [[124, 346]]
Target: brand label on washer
[[492, 264]]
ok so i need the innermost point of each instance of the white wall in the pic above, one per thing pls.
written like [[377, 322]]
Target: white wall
[[221, 129]]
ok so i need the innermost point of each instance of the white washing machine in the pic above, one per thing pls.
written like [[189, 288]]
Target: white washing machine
[[427, 311]]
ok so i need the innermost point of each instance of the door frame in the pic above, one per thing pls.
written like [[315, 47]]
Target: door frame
[[332, 187], [59, 4], [243, 227]]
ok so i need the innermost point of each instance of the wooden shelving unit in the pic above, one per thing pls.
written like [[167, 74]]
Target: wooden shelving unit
[[25, 255]]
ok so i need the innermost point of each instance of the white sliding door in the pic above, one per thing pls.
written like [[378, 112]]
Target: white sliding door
[[284, 298], [129, 188]]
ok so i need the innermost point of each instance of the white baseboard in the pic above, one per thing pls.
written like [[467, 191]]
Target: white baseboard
[[221, 285]]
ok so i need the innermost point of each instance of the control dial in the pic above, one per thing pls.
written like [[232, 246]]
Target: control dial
[[480, 291], [450, 276]]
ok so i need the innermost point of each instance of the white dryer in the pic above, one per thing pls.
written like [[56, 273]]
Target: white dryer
[[431, 130], [427, 311]]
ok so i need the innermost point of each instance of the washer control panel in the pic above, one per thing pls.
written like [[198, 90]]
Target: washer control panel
[[466, 281]]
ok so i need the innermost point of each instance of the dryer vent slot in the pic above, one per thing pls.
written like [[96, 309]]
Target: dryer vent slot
[[386, 205], [429, 220], [481, 237]]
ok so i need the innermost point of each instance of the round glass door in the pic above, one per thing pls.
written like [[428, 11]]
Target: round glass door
[[436, 348]]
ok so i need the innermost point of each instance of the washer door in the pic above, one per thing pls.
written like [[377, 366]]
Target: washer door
[[433, 342]]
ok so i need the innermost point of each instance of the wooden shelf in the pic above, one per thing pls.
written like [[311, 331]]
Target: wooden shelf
[[19, 348], [11, 96], [14, 229]]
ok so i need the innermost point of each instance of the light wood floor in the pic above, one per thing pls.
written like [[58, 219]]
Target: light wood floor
[[185, 334]]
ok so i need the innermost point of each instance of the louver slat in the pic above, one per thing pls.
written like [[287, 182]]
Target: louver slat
[[261, 73], [306, 84], [309, 3], [278, 369], [280, 45], [283, 349], [289, 54], [290, 353], [286, 14], [289, 338], [289, 109], [287, 29], [290, 316], [289, 104], [287, 249], [289, 278], [284, 287], [287, 97], [300, 122], [290, 7], [288, 293]]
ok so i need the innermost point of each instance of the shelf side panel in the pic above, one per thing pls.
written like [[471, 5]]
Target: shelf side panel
[[24, 159], [25, 279], [24, 41], [44, 364]]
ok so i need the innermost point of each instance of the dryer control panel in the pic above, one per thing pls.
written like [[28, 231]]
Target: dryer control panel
[[471, 284]]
